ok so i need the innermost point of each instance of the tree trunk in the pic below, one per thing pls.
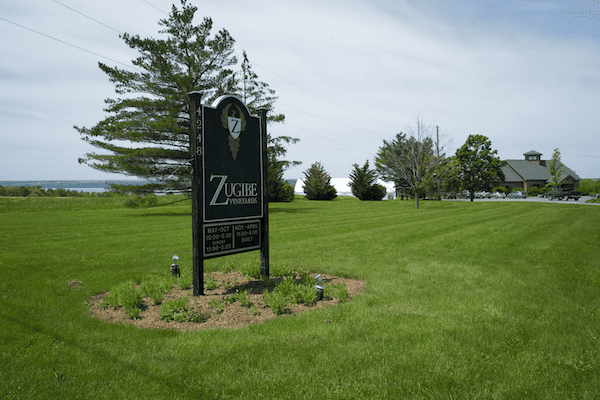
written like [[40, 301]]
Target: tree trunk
[[416, 200]]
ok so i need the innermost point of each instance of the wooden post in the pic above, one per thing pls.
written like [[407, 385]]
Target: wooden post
[[264, 247], [197, 177]]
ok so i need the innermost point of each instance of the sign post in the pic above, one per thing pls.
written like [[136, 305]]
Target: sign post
[[196, 152], [230, 214], [264, 250]]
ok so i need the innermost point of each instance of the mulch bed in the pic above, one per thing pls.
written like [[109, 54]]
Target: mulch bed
[[233, 315]]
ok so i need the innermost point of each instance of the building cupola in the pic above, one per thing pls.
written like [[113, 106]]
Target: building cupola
[[533, 156]]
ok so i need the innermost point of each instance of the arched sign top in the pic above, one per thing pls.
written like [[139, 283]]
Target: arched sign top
[[226, 97]]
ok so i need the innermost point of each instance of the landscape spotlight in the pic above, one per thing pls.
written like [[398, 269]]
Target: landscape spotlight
[[175, 267], [320, 290], [319, 279]]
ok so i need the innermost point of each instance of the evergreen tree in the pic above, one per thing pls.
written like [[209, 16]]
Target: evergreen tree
[[363, 183], [156, 122], [317, 183]]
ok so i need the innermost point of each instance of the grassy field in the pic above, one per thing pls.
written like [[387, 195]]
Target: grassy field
[[463, 300]]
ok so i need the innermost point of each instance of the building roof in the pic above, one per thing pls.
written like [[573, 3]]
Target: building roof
[[528, 171], [532, 153], [523, 170]]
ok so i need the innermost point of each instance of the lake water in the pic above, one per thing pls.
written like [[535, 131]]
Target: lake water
[[87, 186]]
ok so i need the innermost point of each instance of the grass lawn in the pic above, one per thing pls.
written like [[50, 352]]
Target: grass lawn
[[463, 300]]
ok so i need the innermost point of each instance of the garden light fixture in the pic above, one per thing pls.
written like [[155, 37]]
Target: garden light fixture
[[175, 267], [320, 290], [319, 279]]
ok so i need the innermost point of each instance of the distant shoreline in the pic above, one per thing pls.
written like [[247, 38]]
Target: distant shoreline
[[74, 184]]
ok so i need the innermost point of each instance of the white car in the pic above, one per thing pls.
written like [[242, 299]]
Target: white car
[[498, 195]]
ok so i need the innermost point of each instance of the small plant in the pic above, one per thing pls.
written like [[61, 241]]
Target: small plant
[[177, 310], [254, 309], [134, 313], [308, 295], [243, 298], [283, 271], [276, 300], [217, 305], [186, 281], [305, 278], [340, 291], [128, 296], [131, 298], [268, 282], [155, 288], [211, 283], [106, 303]]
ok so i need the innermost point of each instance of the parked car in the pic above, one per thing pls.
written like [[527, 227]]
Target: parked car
[[482, 195], [516, 195], [498, 195], [464, 194]]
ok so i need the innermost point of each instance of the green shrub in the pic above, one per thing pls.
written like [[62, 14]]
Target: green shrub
[[280, 191], [363, 183], [136, 201], [534, 191], [317, 183]]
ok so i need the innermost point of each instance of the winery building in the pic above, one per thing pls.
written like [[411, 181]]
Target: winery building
[[533, 171]]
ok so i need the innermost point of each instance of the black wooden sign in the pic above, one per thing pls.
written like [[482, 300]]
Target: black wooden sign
[[232, 184]]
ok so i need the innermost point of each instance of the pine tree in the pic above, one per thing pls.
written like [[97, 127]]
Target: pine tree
[[363, 183], [317, 183], [148, 136]]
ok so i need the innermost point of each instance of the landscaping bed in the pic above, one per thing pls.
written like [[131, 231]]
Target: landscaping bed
[[221, 306]]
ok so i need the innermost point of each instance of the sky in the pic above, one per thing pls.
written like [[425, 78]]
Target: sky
[[348, 74]]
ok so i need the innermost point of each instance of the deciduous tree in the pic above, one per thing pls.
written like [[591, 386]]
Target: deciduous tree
[[409, 161], [476, 166], [555, 172]]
